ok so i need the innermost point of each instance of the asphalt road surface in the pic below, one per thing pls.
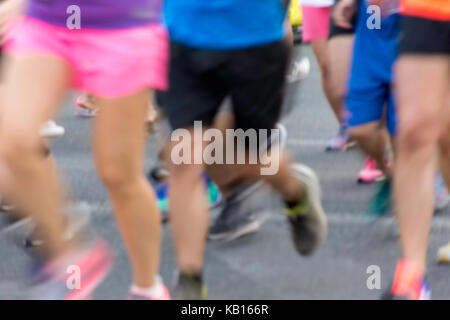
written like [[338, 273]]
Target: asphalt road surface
[[263, 265]]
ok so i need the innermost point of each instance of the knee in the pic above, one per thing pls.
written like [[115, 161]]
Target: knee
[[16, 147], [188, 173], [182, 161], [360, 133], [418, 132], [114, 175]]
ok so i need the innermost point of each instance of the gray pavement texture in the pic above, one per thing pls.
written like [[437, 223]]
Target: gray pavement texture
[[263, 265]]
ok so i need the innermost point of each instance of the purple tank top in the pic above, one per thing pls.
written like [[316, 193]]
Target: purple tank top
[[99, 14]]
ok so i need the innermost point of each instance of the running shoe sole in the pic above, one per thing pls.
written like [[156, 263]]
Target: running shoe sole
[[364, 181], [252, 227], [346, 147]]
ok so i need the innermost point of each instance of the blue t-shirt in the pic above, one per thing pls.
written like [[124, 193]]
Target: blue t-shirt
[[225, 24]]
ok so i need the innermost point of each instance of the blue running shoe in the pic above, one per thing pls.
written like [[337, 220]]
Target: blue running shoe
[[214, 196]]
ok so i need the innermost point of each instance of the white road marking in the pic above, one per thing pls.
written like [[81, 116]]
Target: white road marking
[[306, 142], [441, 221]]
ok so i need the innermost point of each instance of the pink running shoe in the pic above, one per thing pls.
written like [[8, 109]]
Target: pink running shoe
[[370, 173], [73, 277], [86, 106], [159, 292]]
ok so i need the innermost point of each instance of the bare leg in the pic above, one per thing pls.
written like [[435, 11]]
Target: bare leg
[[372, 138], [45, 80], [119, 154], [224, 176], [320, 49], [444, 147], [423, 84], [189, 212], [340, 50]]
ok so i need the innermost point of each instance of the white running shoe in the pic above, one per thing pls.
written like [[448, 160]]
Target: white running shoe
[[300, 70], [51, 129]]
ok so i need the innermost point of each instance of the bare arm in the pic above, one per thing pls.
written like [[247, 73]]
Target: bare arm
[[8, 10], [343, 13]]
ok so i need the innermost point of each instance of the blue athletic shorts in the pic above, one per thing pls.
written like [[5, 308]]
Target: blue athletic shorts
[[370, 95]]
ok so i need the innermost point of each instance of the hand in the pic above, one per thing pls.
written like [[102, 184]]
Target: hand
[[8, 10], [386, 6], [377, 2], [343, 13]]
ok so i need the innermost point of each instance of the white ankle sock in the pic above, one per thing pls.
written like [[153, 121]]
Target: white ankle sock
[[156, 291]]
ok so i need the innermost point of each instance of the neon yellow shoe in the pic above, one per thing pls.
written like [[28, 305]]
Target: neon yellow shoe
[[444, 254], [307, 219], [295, 13]]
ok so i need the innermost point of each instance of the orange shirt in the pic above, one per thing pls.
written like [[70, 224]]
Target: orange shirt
[[430, 9]]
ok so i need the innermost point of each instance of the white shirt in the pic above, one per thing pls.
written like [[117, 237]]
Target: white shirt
[[317, 3]]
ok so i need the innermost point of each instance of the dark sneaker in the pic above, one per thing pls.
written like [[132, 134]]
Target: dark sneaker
[[189, 288], [158, 174], [244, 211], [246, 208], [307, 218]]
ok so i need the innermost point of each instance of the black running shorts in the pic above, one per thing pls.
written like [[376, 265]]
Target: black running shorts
[[338, 31], [424, 36], [199, 80]]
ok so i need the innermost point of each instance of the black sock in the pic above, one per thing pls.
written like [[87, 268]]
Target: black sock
[[291, 204], [191, 276]]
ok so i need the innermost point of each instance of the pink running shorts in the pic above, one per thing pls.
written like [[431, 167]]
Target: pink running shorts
[[316, 23], [105, 63]]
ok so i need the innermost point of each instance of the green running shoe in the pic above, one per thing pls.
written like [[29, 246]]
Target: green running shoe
[[381, 203]]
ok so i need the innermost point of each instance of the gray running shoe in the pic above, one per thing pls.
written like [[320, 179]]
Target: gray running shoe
[[307, 218], [247, 207], [244, 212]]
